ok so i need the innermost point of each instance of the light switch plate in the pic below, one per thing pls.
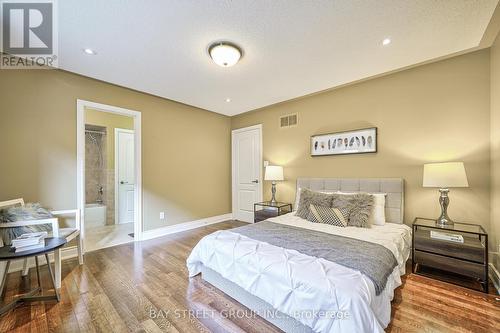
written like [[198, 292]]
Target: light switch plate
[[162, 215]]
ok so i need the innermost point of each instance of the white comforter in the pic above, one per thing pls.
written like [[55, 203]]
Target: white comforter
[[302, 286]]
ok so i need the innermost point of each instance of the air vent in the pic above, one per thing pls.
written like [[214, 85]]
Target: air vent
[[289, 120]]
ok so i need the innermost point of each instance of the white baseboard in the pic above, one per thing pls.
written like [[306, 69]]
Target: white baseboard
[[495, 277], [493, 269], [171, 229], [66, 253]]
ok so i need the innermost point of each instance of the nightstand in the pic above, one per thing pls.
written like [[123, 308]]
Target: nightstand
[[451, 261], [264, 210]]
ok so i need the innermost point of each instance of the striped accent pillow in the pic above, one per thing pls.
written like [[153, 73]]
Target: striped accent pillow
[[328, 215]]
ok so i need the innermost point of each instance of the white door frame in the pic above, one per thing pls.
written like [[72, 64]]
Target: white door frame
[[117, 182], [233, 166], [80, 142]]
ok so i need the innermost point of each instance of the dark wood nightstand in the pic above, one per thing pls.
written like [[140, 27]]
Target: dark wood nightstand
[[264, 210], [451, 261]]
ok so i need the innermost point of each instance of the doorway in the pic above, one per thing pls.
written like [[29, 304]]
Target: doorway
[[109, 174], [247, 165]]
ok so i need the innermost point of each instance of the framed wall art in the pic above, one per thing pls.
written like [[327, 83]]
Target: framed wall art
[[358, 141]]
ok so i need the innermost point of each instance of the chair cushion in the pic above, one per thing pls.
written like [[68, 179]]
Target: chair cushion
[[66, 232]]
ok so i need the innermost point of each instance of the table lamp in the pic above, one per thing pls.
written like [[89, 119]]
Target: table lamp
[[274, 173], [444, 176]]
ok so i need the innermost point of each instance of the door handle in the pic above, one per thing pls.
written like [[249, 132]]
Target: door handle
[[122, 182], [255, 181]]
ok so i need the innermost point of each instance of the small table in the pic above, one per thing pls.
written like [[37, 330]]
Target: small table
[[8, 254], [468, 259], [270, 209]]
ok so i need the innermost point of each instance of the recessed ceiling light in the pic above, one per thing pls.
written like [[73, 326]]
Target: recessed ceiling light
[[90, 51], [386, 41], [228, 100], [224, 54]]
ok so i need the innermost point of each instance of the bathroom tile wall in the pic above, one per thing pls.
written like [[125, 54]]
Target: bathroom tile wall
[[95, 165]]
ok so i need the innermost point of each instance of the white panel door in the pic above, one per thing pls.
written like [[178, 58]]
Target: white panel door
[[126, 175], [247, 171]]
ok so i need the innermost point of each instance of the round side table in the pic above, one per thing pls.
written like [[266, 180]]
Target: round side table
[[8, 254]]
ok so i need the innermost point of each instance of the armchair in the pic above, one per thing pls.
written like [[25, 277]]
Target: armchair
[[68, 233]]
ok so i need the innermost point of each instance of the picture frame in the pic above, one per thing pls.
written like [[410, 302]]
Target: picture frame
[[359, 141]]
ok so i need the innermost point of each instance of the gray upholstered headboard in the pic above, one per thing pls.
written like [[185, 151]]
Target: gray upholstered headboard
[[394, 187]]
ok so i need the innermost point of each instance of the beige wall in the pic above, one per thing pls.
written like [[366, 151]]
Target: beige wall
[[435, 112], [110, 121], [186, 151], [495, 147]]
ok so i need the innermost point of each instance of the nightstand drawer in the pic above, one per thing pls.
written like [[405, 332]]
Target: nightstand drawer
[[450, 264], [471, 249], [264, 214]]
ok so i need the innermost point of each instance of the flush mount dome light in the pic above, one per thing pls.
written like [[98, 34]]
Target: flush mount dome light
[[89, 51], [224, 54]]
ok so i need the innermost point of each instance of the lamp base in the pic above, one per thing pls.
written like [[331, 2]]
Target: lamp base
[[273, 193], [444, 220]]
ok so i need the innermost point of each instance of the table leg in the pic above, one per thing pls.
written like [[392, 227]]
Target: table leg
[[484, 286], [26, 297], [18, 301], [52, 277], [57, 267], [4, 278], [38, 272], [30, 296]]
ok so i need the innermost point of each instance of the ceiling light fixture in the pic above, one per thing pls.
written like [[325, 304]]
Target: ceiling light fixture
[[90, 51], [386, 41], [228, 100], [224, 54]]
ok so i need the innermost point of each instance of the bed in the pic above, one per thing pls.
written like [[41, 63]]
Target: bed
[[298, 291]]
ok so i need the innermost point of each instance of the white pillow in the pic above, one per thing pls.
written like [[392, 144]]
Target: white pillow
[[377, 217], [297, 199]]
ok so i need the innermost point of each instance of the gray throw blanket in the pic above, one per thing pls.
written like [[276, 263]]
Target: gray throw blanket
[[31, 211], [373, 260]]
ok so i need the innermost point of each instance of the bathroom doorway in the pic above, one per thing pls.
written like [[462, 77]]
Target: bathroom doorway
[[109, 184]]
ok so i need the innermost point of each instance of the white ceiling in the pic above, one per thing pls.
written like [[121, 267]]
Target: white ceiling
[[291, 47]]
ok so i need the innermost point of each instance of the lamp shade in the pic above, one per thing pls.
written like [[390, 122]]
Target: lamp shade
[[274, 172], [445, 175]]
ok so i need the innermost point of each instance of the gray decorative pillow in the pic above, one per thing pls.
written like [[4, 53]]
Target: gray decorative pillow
[[359, 205], [328, 215], [308, 197], [30, 211]]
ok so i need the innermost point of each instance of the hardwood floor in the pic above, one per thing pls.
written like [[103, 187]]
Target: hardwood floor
[[131, 287]]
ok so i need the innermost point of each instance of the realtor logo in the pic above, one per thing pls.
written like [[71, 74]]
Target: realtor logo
[[29, 38]]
